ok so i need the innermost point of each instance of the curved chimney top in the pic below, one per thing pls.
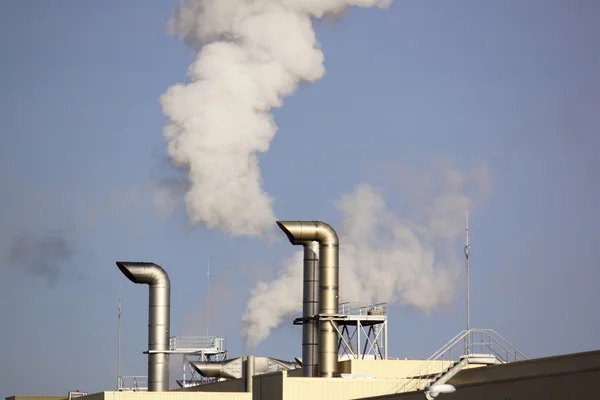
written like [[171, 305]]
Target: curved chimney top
[[144, 273], [300, 232]]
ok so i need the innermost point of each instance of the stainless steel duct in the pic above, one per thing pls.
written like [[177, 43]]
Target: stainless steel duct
[[159, 316], [241, 368], [229, 369], [310, 308], [300, 232]]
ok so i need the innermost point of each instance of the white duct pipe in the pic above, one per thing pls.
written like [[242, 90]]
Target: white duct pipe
[[159, 315], [241, 367], [229, 369]]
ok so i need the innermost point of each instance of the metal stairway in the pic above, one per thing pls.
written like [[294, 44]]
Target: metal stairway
[[449, 372], [462, 362], [458, 354]]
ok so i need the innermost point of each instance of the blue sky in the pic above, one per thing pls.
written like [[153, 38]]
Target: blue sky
[[510, 85]]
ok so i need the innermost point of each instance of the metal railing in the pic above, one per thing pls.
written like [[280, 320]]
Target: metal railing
[[133, 384], [467, 343], [196, 342], [348, 308]]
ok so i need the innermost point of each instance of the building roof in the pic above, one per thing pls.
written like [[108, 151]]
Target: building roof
[[555, 365]]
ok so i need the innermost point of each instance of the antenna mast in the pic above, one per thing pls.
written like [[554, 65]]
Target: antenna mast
[[119, 341], [207, 295], [467, 253]]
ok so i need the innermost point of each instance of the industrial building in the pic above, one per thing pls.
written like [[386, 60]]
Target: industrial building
[[344, 351]]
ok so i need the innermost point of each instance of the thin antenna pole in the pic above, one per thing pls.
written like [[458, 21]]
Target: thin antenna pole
[[119, 342], [207, 295], [467, 253]]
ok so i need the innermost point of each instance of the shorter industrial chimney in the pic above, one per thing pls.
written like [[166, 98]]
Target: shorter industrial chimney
[[159, 316]]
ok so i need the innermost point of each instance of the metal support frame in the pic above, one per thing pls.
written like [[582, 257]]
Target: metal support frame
[[371, 338], [361, 330]]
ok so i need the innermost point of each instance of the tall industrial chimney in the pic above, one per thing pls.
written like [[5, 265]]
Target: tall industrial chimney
[[310, 308], [158, 319], [300, 232]]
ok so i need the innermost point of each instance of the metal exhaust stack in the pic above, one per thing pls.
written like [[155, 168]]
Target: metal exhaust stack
[[248, 373], [158, 319], [310, 308], [300, 232]]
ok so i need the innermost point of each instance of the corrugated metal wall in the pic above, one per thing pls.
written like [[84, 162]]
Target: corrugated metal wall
[[389, 369], [336, 389], [269, 386]]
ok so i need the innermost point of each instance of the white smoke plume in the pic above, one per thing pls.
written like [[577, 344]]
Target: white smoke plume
[[251, 54], [383, 257]]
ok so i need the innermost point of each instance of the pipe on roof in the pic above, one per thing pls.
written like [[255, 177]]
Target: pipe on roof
[[298, 233], [159, 316], [310, 308], [241, 368], [249, 373]]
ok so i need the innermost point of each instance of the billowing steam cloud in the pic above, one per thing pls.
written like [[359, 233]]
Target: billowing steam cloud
[[382, 257], [252, 53]]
